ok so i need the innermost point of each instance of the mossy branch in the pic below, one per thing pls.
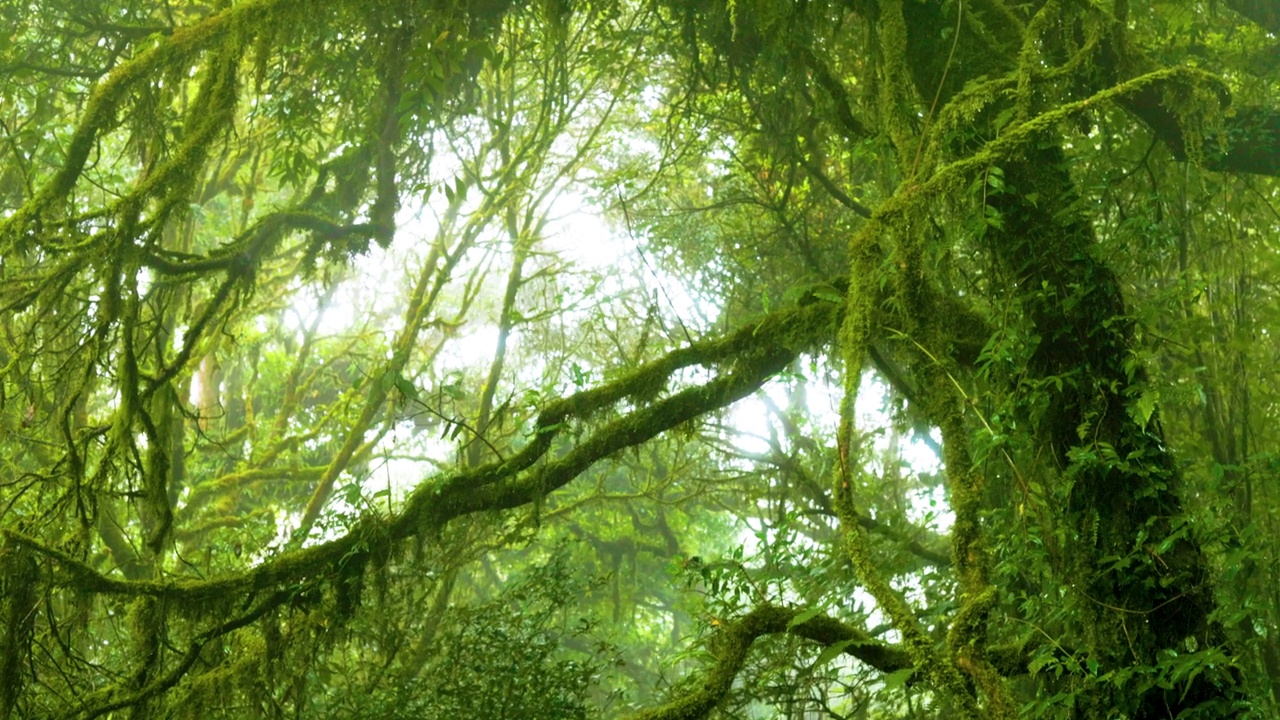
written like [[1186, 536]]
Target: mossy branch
[[732, 644], [1021, 135], [750, 356], [100, 114]]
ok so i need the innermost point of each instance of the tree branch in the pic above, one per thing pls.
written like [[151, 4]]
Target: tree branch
[[733, 641]]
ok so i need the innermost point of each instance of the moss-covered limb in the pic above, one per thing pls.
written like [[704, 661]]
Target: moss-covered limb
[[208, 319], [857, 332], [435, 274], [731, 644], [1014, 140], [250, 245], [210, 115], [897, 107], [78, 574], [938, 669], [521, 245], [856, 335], [967, 636], [782, 337], [855, 340], [453, 500], [147, 626], [776, 341], [385, 126], [932, 550], [100, 113], [794, 328], [1247, 141], [120, 697], [124, 555], [20, 293], [761, 349], [298, 381], [426, 289], [1106, 55], [837, 93], [204, 492], [1029, 58]]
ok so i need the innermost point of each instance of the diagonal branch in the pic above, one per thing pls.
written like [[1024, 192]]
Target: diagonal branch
[[749, 357]]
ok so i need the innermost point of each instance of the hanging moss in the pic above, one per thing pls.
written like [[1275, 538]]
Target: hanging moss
[[19, 584]]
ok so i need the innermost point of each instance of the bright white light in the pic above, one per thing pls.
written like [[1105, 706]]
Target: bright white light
[[582, 235], [472, 349]]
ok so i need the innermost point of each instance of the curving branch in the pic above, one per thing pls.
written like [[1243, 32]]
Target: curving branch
[[102, 108], [732, 644]]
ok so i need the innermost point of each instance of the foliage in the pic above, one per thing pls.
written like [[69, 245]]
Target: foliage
[[517, 636], [728, 358]]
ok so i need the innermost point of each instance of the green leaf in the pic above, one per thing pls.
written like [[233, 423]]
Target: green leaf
[[804, 617], [828, 294], [1144, 407], [1040, 662], [898, 678], [453, 390], [407, 388], [831, 652]]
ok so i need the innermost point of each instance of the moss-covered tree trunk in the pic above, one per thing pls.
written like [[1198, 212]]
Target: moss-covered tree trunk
[[1139, 578]]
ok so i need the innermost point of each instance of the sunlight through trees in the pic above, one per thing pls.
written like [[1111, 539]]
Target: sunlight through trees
[[651, 359]]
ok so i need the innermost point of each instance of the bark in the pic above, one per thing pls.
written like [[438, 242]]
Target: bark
[[1124, 484]]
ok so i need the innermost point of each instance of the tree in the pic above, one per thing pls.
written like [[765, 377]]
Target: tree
[[250, 466]]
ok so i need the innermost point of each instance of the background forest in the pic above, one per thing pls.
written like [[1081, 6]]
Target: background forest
[[657, 359]]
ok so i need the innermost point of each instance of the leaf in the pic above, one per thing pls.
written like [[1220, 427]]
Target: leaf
[[898, 678], [1040, 662], [804, 617], [407, 388], [828, 294], [1144, 407], [457, 430], [831, 652]]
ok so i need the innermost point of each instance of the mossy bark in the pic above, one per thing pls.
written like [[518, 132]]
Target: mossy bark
[[1124, 485]]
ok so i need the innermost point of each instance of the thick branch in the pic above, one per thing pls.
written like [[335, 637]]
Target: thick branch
[[732, 643], [752, 355]]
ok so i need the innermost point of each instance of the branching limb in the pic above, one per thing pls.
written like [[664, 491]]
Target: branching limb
[[751, 356], [733, 641]]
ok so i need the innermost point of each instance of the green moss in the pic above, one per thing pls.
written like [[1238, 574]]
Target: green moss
[[896, 89], [19, 578]]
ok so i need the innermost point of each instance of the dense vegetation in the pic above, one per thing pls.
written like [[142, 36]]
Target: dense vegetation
[[661, 359]]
